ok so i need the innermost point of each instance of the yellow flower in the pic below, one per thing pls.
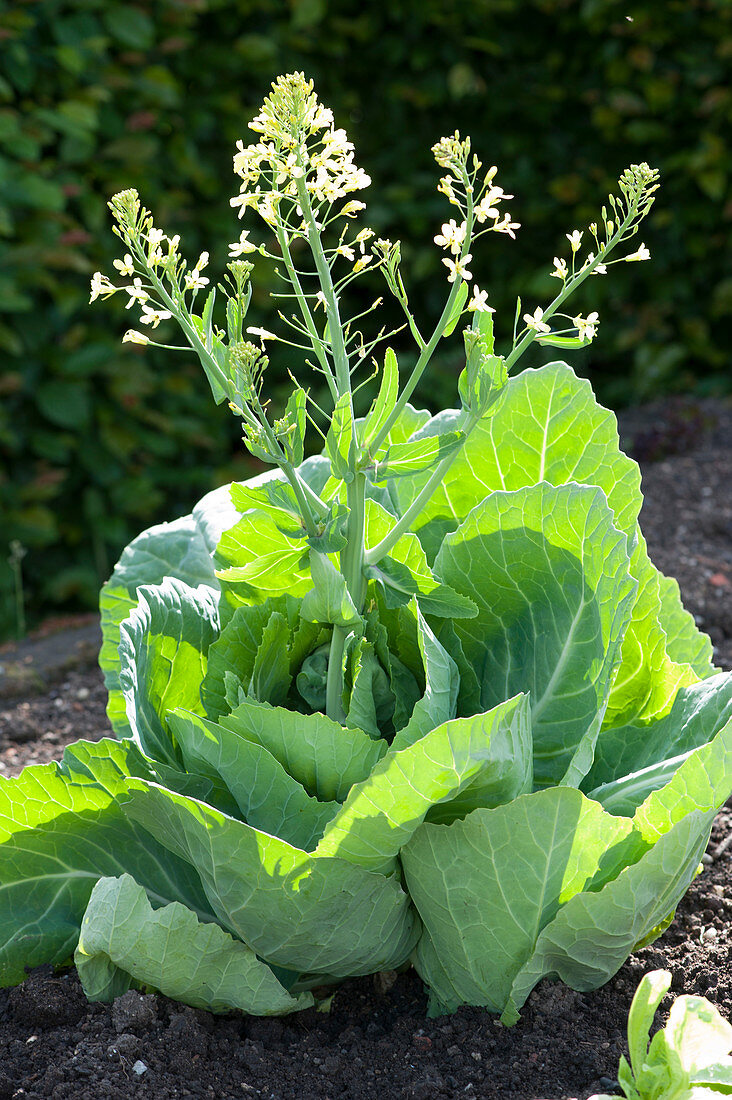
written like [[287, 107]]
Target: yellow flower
[[458, 268], [125, 266], [452, 236], [262, 333], [362, 237], [534, 321], [133, 337], [352, 208], [575, 239], [242, 246], [642, 254], [600, 269], [586, 326], [101, 287], [506, 226], [560, 269], [479, 302], [153, 316], [136, 293], [194, 280]]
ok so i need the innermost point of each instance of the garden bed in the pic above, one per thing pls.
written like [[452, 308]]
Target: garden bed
[[376, 1040]]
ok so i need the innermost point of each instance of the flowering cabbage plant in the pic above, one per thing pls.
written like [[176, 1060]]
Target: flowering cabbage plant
[[422, 696]]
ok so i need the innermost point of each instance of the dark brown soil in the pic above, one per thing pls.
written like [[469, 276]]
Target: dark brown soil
[[376, 1041]]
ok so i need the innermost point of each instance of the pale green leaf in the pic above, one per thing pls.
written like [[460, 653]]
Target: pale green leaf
[[177, 550], [626, 755], [268, 798], [367, 696], [701, 1037], [260, 560], [485, 887], [442, 681], [490, 753], [550, 429], [385, 399], [245, 646], [457, 309], [646, 1000], [548, 572], [339, 440], [123, 940], [163, 650], [329, 600], [326, 758], [409, 458], [295, 910], [685, 643], [593, 934], [61, 829]]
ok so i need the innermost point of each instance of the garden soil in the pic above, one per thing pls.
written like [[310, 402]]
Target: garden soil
[[375, 1042]]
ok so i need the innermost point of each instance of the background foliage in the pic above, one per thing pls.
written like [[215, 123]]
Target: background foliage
[[98, 441]]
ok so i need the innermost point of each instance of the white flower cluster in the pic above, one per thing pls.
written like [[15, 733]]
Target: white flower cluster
[[299, 142], [158, 258]]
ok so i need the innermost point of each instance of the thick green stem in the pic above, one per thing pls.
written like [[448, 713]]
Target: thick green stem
[[352, 562], [352, 555], [334, 688]]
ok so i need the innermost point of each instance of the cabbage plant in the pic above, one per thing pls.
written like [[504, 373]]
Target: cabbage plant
[[419, 697]]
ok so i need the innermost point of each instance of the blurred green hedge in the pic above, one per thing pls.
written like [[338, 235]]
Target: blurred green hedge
[[98, 440]]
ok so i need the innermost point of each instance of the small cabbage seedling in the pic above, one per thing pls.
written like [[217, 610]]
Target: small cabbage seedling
[[419, 696], [687, 1060]]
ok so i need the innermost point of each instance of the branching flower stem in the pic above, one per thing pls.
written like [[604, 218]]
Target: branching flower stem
[[306, 498], [428, 349], [292, 177], [466, 423], [306, 312], [571, 285]]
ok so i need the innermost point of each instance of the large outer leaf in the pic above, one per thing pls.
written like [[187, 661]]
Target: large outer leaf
[[163, 652], [485, 759], [124, 939], [61, 829], [703, 781], [325, 757], [169, 550], [549, 574], [260, 561], [298, 911], [697, 715], [647, 680], [685, 643], [182, 549], [550, 428], [486, 886], [594, 933], [268, 798]]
